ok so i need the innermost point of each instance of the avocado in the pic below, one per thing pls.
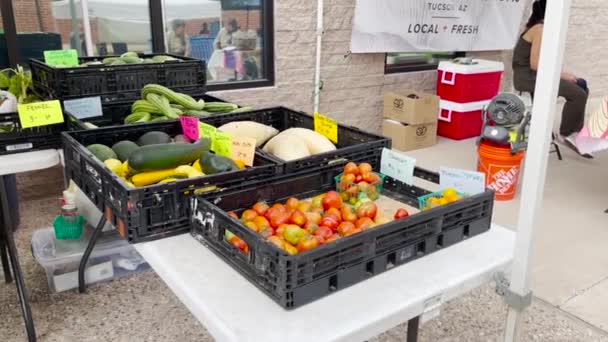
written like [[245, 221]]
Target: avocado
[[124, 148]]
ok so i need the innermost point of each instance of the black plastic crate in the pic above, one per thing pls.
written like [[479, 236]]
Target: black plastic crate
[[293, 281], [27, 139], [117, 83], [353, 144], [151, 212], [115, 114]]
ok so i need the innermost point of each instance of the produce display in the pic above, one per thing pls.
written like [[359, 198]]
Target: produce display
[[358, 182], [299, 225], [157, 157], [130, 57], [16, 87]]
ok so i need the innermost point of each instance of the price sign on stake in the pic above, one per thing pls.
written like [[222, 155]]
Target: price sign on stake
[[61, 57], [189, 127], [468, 182], [86, 107], [222, 144], [326, 127], [243, 149], [206, 131], [40, 114], [397, 165]]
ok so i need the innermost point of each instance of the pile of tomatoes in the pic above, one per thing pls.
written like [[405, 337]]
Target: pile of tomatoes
[[297, 226], [358, 181]]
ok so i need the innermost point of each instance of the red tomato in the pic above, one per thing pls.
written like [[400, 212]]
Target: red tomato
[[364, 223], [348, 178], [307, 242], [233, 214], [266, 232], [278, 219], [239, 243], [313, 217], [365, 167], [374, 179], [336, 212], [260, 207], [249, 215], [311, 227], [331, 200], [401, 213], [330, 221], [332, 238], [348, 213], [369, 177], [290, 249], [279, 231], [304, 206], [320, 239], [277, 241], [261, 222], [367, 209], [353, 231], [292, 203], [351, 168], [324, 231], [345, 227], [251, 225], [293, 234], [358, 179], [298, 218]]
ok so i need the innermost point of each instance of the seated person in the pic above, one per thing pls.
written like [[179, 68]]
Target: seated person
[[574, 90]]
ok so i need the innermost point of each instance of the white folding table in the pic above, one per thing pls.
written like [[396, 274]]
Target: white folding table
[[11, 164], [232, 309]]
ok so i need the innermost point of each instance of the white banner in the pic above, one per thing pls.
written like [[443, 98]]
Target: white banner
[[442, 25]]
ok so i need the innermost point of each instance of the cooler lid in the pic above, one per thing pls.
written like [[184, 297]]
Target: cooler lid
[[463, 107], [479, 66]]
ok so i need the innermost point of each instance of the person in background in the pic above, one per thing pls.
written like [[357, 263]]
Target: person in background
[[177, 42], [204, 30], [224, 37], [525, 64]]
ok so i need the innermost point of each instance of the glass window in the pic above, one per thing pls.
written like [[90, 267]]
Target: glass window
[[115, 26], [228, 35], [416, 61]]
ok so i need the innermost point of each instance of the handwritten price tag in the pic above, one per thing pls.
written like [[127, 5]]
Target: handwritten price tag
[[397, 166], [243, 149], [86, 107], [206, 130], [222, 144], [469, 182], [326, 127], [189, 127], [40, 114], [61, 57]]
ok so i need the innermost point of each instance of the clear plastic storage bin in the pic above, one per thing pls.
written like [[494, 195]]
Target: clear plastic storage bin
[[112, 258]]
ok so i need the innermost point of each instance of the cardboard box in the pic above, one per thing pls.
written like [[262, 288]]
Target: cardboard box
[[411, 107], [410, 137]]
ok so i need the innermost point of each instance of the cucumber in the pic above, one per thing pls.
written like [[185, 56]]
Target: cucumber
[[219, 107], [153, 138], [129, 54], [166, 156], [137, 117], [102, 152], [124, 148]]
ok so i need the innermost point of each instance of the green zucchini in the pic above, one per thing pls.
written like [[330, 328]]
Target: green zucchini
[[162, 104], [183, 100], [219, 107], [166, 156]]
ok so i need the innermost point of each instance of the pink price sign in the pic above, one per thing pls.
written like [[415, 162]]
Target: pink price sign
[[190, 127]]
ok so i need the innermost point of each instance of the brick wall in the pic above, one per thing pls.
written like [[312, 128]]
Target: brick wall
[[27, 16]]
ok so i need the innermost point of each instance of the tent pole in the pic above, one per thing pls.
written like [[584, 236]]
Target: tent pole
[[86, 25], [545, 95], [317, 85]]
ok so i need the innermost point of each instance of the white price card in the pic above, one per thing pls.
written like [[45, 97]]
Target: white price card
[[86, 107], [468, 182], [397, 165]]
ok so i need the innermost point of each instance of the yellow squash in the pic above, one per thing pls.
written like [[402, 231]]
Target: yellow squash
[[151, 177]]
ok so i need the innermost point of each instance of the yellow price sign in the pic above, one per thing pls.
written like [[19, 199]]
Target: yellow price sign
[[326, 127], [206, 131], [222, 144], [243, 149], [40, 114]]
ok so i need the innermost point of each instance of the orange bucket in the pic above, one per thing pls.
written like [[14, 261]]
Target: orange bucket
[[501, 168]]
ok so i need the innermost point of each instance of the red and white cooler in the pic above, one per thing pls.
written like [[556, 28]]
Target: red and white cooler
[[463, 83], [460, 120]]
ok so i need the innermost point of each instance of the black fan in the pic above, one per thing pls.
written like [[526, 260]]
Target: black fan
[[505, 122]]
